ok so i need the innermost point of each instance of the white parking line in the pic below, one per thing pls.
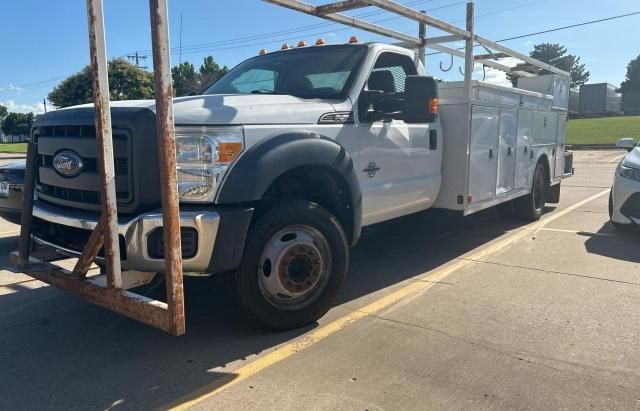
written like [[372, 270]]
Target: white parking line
[[616, 159], [584, 233]]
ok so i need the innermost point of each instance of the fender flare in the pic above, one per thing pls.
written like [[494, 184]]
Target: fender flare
[[256, 169]]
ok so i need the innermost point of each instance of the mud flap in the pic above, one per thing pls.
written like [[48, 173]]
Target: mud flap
[[553, 194]]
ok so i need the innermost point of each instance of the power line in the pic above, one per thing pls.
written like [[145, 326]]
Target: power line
[[586, 23], [39, 84], [284, 32]]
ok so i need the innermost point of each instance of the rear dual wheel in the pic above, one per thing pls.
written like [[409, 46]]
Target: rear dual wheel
[[531, 206]]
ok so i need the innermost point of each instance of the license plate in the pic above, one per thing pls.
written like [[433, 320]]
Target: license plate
[[4, 189]]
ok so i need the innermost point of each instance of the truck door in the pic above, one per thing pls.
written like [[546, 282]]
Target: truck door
[[398, 163], [506, 150]]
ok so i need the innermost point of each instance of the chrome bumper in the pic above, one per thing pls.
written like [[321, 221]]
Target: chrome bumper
[[136, 231]]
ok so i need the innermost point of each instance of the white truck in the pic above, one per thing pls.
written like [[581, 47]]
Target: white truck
[[285, 159]]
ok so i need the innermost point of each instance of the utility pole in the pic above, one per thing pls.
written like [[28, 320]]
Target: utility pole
[[180, 45], [44, 101], [137, 57]]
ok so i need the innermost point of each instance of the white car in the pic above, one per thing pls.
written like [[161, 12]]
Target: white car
[[624, 200]]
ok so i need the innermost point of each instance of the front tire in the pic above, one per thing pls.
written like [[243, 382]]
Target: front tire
[[530, 207], [294, 263]]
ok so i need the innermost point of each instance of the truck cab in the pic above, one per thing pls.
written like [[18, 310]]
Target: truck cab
[[282, 161]]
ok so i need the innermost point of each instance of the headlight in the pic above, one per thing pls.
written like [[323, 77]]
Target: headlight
[[203, 155], [628, 172]]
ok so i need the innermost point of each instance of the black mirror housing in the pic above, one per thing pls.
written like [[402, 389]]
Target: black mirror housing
[[421, 99]]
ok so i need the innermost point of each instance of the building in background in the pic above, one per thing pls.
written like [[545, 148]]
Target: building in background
[[600, 99]]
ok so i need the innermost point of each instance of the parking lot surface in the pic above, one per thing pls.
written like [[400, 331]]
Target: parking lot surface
[[476, 312]]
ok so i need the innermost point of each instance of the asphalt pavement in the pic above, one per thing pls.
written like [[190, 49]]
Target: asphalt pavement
[[478, 312]]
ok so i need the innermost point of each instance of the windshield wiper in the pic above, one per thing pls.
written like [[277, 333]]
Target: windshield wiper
[[265, 91]]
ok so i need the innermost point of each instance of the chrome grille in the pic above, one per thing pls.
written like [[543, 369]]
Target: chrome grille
[[83, 190]]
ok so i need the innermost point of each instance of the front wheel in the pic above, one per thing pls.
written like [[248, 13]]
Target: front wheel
[[294, 263], [530, 207]]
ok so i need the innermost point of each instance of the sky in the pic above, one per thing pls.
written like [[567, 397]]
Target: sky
[[42, 42]]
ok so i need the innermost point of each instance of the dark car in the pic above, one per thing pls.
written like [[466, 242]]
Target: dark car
[[11, 191]]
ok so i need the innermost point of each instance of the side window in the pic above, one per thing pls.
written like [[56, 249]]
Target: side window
[[388, 75], [255, 80], [390, 72]]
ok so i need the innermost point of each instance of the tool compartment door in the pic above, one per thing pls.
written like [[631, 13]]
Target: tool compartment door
[[559, 168], [523, 149], [506, 150], [483, 153]]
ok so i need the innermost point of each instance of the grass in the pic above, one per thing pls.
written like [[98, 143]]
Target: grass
[[606, 130], [13, 148]]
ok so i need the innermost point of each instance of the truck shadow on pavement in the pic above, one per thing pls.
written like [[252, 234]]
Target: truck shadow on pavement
[[58, 352]]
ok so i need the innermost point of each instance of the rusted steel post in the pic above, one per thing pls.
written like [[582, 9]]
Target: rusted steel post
[[167, 157], [98, 53], [422, 33], [95, 243], [27, 205], [468, 53]]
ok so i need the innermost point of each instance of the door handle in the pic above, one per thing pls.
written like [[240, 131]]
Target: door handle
[[491, 153], [509, 150]]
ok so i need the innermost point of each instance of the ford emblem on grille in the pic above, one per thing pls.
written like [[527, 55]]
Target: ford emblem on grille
[[67, 163]]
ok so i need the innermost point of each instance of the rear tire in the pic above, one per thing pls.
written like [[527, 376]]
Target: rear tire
[[531, 206], [294, 263]]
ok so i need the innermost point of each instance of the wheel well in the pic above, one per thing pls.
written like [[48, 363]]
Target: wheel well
[[320, 185]]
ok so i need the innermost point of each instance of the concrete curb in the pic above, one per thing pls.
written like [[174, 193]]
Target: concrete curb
[[593, 147]]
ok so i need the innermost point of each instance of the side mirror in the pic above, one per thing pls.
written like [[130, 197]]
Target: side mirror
[[627, 143], [421, 99]]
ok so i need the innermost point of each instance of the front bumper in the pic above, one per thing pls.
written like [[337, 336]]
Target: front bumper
[[134, 234], [624, 212]]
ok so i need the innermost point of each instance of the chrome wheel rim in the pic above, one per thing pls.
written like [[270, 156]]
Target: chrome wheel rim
[[294, 267]]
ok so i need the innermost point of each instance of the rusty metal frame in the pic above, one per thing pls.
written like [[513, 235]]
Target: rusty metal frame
[[111, 294], [495, 50]]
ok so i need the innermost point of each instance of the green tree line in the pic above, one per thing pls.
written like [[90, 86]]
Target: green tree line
[[129, 82]]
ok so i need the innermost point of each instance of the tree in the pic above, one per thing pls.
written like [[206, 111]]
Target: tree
[[17, 124], [632, 81], [126, 82], [555, 55], [186, 82], [210, 71], [3, 114]]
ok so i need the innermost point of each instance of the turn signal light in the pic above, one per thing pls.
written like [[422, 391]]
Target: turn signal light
[[433, 106], [319, 42], [353, 39], [302, 43], [228, 151], [285, 46]]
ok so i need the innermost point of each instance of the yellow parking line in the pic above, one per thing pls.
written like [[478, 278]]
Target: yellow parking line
[[246, 371]]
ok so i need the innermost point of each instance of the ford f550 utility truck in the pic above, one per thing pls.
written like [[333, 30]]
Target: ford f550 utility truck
[[285, 159]]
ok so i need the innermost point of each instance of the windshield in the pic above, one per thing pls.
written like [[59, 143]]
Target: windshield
[[316, 72]]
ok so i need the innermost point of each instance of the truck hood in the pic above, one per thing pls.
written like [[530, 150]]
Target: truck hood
[[632, 159], [238, 109]]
